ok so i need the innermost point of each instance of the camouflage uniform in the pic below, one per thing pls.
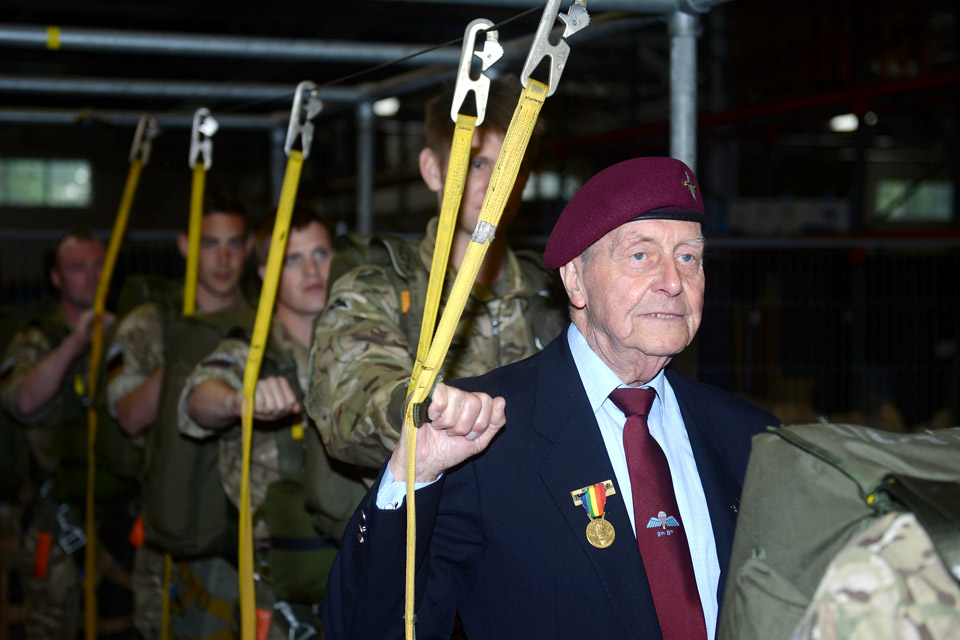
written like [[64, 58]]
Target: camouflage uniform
[[52, 604], [227, 364], [362, 358], [888, 582]]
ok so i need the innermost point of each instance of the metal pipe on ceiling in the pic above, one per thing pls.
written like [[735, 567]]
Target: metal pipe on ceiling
[[412, 81], [128, 118], [209, 45], [603, 26], [174, 89], [664, 7]]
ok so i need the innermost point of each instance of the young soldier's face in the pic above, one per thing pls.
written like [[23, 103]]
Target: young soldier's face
[[306, 267], [223, 248], [77, 271]]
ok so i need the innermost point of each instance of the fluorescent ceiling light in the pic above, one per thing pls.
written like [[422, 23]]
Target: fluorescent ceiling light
[[386, 107], [844, 123]]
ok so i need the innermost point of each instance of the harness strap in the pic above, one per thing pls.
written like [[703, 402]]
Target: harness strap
[[196, 594]]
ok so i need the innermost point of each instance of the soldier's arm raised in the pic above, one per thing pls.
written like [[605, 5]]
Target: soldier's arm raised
[[43, 382]]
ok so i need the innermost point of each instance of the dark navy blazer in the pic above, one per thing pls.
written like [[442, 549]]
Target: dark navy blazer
[[499, 537]]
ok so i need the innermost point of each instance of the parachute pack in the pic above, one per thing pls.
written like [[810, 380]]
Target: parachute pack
[[809, 490]]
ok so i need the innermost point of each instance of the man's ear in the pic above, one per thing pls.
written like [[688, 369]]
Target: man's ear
[[572, 276], [430, 169], [261, 270], [55, 279], [183, 244]]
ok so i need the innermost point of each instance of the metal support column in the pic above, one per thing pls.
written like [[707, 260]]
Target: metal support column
[[683, 88], [365, 151]]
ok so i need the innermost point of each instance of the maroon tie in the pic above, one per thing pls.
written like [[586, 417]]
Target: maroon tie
[[660, 537]]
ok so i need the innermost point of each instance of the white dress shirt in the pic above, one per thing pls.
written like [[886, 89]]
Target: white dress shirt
[[668, 429]]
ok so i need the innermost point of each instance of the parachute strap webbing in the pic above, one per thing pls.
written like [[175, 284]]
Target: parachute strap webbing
[[96, 351], [501, 184], [457, 167], [258, 342], [193, 234]]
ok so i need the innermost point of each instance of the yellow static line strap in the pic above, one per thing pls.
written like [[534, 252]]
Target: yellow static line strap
[[457, 168], [96, 352], [193, 253], [261, 332], [53, 37], [501, 184]]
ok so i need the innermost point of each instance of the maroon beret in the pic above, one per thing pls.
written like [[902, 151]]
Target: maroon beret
[[638, 189]]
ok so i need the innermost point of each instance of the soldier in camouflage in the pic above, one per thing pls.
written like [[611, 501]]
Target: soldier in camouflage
[[888, 582], [43, 382], [135, 371], [210, 404], [365, 342]]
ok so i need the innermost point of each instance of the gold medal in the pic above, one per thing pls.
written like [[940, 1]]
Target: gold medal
[[600, 533]]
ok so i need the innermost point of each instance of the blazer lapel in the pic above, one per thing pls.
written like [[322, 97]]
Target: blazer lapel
[[577, 458]]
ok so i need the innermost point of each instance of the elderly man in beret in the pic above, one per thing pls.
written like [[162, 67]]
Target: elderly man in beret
[[588, 491]]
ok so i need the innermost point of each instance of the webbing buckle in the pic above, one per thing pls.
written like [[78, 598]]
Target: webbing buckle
[[298, 630], [147, 130], [575, 19], [201, 144], [491, 52], [302, 112], [71, 537]]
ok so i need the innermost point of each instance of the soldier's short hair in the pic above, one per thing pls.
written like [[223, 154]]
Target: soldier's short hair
[[501, 103], [80, 235], [218, 202], [299, 219]]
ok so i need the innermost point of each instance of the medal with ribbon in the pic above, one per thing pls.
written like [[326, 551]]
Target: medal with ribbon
[[600, 533]]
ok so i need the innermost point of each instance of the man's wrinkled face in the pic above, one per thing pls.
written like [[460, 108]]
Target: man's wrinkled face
[[223, 248], [77, 270], [642, 286], [306, 267]]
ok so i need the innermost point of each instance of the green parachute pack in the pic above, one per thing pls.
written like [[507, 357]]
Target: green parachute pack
[[186, 511], [809, 489]]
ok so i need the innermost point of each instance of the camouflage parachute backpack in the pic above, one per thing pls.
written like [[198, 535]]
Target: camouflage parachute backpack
[[809, 490]]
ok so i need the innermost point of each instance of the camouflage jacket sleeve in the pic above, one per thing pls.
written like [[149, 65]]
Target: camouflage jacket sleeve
[[27, 348], [136, 352], [360, 365], [226, 363]]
